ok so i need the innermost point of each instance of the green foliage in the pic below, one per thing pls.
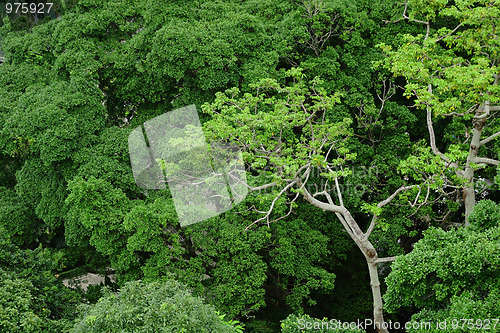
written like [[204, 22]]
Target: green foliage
[[16, 302], [218, 259], [108, 159], [429, 170], [43, 188], [448, 274], [99, 208], [451, 74], [298, 251], [165, 306], [235, 268], [300, 80], [484, 216], [17, 219], [479, 312], [268, 118], [67, 115], [31, 297], [239, 327], [44, 122]]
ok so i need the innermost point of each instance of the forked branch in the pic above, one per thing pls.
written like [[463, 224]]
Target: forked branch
[[382, 204]]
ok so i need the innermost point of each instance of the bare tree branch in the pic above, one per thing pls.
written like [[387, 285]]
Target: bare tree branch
[[383, 203], [272, 206], [259, 188], [338, 191], [320, 204], [432, 139], [393, 195], [488, 139], [386, 259], [449, 34], [406, 17], [346, 227], [486, 160]]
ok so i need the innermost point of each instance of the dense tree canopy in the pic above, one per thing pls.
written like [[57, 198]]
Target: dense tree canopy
[[368, 133], [452, 275], [452, 70]]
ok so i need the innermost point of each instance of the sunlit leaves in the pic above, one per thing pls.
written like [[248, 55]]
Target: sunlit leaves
[[458, 63], [266, 124]]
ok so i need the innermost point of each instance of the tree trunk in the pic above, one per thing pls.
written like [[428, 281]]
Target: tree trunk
[[371, 256], [364, 245], [468, 193], [378, 310], [469, 197]]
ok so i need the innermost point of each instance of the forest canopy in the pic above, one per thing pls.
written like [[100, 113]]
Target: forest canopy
[[366, 130]]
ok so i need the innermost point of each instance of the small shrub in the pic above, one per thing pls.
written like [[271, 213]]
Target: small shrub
[[151, 307]]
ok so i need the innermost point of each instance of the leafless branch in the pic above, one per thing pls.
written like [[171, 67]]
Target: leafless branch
[[320, 204], [432, 139], [488, 139], [346, 226], [272, 206], [406, 17], [317, 40], [259, 188], [486, 160], [338, 191], [449, 34], [383, 203], [386, 259]]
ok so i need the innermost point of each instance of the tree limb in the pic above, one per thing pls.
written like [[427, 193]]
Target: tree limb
[[486, 160], [320, 204], [259, 188], [432, 139], [488, 139], [272, 205], [386, 259], [383, 203], [451, 33]]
